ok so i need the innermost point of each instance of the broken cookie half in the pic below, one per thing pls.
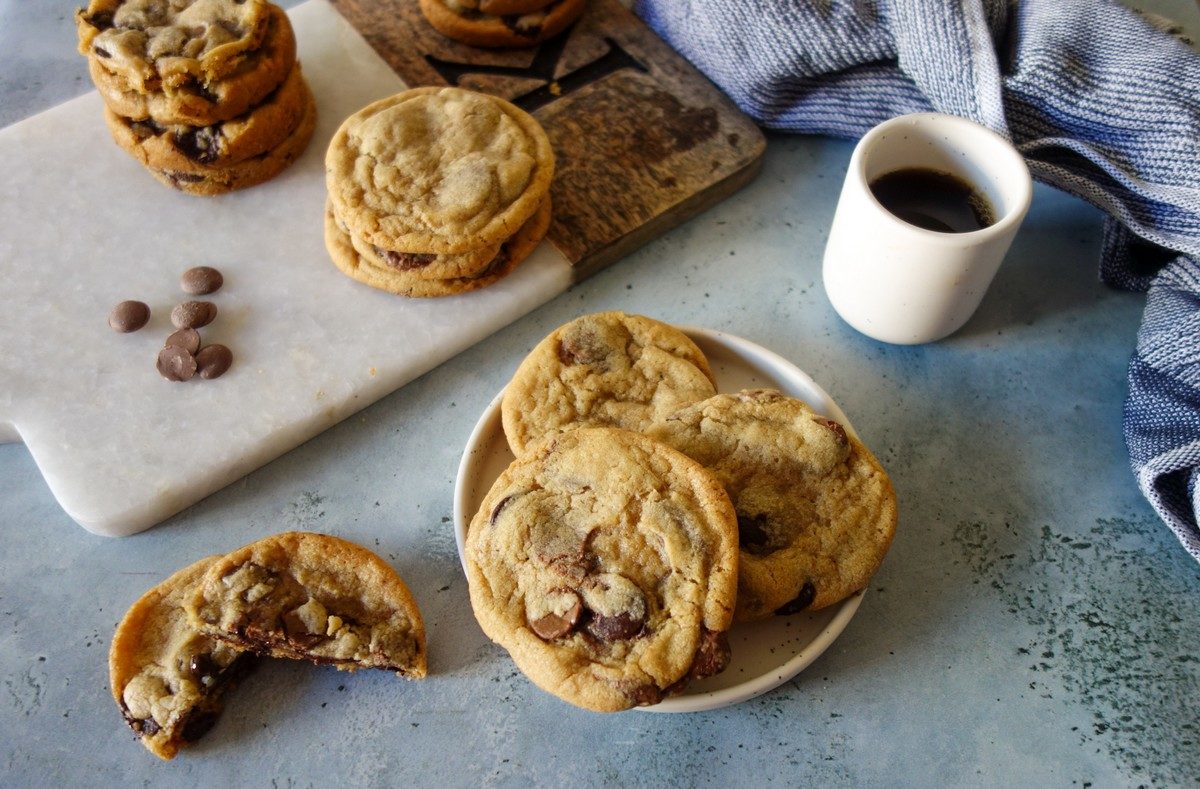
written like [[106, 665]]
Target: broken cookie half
[[167, 677], [312, 597], [294, 595]]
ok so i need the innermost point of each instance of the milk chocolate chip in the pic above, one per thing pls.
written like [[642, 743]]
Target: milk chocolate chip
[[188, 339], [617, 608], [201, 280], [555, 615], [176, 364], [193, 314], [213, 361], [129, 316]]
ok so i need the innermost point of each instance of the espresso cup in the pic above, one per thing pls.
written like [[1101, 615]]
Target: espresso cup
[[901, 283]]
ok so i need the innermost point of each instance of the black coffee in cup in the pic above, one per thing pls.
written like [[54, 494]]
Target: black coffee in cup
[[933, 200]]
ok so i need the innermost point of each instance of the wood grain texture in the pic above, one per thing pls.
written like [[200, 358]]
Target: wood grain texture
[[643, 140]]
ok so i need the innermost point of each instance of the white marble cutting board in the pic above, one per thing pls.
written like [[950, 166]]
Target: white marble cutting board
[[83, 226]]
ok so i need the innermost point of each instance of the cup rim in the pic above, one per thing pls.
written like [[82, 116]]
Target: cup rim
[[1023, 191]]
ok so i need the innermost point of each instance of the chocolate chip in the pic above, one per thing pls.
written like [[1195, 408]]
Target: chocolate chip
[[147, 727], [557, 624], [203, 669], [712, 656], [129, 316], [187, 339], [800, 602], [405, 261], [200, 144], [198, 723], [176, 364], [752, 534], [499, 508], [183, 178], [193, 314], [580, 349], [201, 280], [101, 20], [213, 361], [614, 628], [839, 432], [101, 52], [645, 695]]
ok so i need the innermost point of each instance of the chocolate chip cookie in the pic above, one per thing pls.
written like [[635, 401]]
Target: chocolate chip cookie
[[606, 564], [438, 171], [816, 511], [246, 172], [163, 43], [502, 23], [201, 149], [413, 280], [312, 597], [607, 368], [198, 100], [168, 678]]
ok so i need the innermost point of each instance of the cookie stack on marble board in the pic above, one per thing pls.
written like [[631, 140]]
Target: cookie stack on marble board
[[207, 95], [436, 192], [642, 140]]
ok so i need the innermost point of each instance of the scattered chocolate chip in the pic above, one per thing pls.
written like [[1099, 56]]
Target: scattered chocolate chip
[[193, 314], [187, 339], [614, 628], [129, 316], [176, 364], [808, 593], [201, 280], [838, 431], [752, 533], [213, 361]]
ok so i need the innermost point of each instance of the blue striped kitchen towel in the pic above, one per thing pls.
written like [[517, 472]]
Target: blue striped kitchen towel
[[1103, 103]]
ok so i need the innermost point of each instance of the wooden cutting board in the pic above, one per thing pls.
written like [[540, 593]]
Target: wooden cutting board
[[640, 148], [644, 141]]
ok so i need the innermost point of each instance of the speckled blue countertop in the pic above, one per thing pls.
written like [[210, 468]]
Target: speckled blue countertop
[[1033, 624]]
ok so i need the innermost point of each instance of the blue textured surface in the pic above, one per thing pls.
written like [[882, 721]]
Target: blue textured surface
[[1034, 622]]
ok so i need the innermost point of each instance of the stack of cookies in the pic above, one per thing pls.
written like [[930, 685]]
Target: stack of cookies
[[436, 191], [501, 23], [206, 94], [297, 595], [645, 511]]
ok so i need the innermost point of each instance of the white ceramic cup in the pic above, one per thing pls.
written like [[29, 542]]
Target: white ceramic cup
[[904, 284]]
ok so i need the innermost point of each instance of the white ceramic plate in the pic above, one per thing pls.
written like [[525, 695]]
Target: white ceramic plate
[[765, 654]]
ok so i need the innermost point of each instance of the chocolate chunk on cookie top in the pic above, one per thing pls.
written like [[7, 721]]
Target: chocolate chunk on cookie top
[[606, 564], [312, 597], [166, 677], [816, 511], [438, 170], [604, 369]]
